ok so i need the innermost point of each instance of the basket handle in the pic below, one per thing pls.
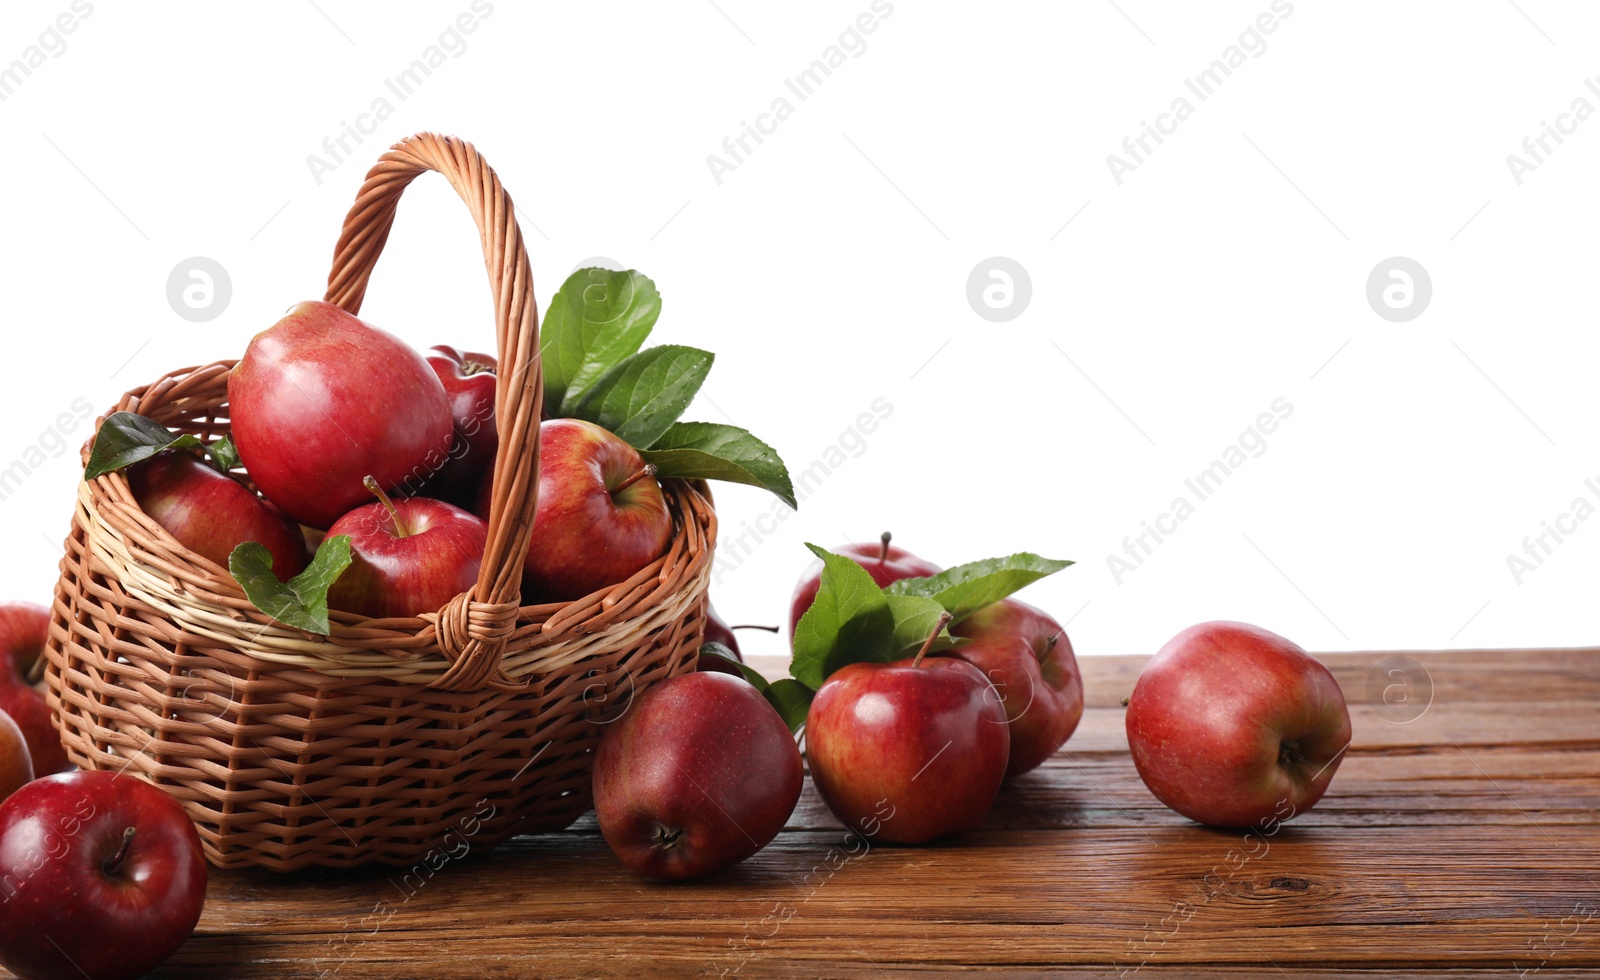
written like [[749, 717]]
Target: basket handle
[[472, 628]]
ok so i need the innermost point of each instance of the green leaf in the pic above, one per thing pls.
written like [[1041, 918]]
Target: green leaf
[[301, 602], [914, 618], [640, 398], [965, 589], [713, 451], [849, 621], [792, 699], [597, 318], [223, 453], [125, 438]]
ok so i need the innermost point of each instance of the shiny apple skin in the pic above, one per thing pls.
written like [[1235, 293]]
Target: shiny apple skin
[[24, 628], [897, 564], [211, 514], [1209, 716], [929, 743], [1028, 658], [321, 400], [16, 763], [469, 381], [392, 575], [68, 918], [697, 775], [585, 537]]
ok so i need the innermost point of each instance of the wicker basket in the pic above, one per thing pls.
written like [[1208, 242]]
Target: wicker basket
[[388, 739]]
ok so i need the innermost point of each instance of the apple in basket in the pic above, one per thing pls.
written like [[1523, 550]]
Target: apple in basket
[[601, 515], [407, 556], [211, 513], [321, 400], [469, 382], [24, 627]]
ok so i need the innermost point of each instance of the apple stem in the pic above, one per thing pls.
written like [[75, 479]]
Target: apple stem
[[753, 626], [114, 865], [883, 553], [927, 644], [649, 469], [666, 838], [400, 530], [35, 672]]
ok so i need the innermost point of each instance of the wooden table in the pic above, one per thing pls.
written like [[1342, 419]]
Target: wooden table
[[1461, 843]]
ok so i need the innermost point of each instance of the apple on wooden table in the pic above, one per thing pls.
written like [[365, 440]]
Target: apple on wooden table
[[718, 631], [1232, 725], [885, 562], [698, 774], [104, 877], [1028, 658], [925, 738]]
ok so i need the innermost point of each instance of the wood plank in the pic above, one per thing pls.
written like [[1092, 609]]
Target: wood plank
[[1464, 843]]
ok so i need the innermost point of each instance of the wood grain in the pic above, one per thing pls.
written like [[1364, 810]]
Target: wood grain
[[1464, 843]]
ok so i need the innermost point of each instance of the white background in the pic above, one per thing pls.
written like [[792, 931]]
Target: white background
[[829, 270]]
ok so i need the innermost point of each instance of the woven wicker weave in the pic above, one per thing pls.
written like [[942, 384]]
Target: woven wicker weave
[[370, 745]]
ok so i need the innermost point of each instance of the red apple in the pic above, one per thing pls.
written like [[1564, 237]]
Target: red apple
[[908, 751], [717, 631], [699, 774], [24, 627], [1027, 657], [103, 877], [211, 513], [1233, 726], [468, 381], [322, 399], [884, 561], [407, 556], [601, 515], [16, 764]]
